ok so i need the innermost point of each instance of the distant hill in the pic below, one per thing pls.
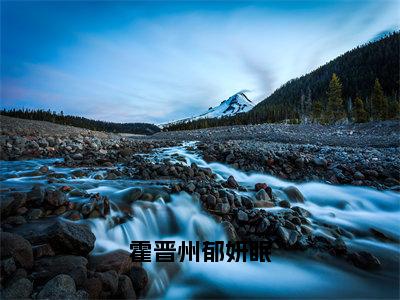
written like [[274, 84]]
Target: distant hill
[[60, 118], [357, 71]]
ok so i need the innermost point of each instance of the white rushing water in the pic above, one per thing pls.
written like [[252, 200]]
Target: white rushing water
[[289, 275]]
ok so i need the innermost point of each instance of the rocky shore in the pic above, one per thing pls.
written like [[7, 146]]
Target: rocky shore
[[46, 247]]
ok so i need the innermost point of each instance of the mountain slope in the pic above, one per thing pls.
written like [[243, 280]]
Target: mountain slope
[[81, 122], [238, 103], [357, 70]]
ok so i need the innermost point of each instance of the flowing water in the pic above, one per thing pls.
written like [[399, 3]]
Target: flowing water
[[289, 275]]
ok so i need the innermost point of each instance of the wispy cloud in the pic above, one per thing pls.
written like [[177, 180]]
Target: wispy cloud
[[177, 65]]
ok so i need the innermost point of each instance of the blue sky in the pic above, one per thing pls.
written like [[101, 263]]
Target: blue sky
[[161, 61]]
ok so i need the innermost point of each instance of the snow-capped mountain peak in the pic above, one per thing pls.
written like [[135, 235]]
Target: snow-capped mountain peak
[[235, 104]]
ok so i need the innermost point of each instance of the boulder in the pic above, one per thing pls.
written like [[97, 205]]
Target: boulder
[[15, 246], [10, 202], [93, 286], [284, 204], [190, 187], [109, 281], [262, 195], [132, 194], [125, 288], [242, 216], [46, 268], [232, 183], [364, 260], [118, 260], [222, 208], [230, 231], [60, 287], [283, 235], [139, 278], [65, 237], [294, 194], [264, 204], [260, 186], [19, 289], [55, 197], [247, 202]]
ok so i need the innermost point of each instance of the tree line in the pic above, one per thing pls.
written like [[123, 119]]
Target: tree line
[[358, 86], [60, 118]]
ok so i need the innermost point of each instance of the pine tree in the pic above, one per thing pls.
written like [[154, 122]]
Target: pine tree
[[360, 115], [335, 110], [317, 111], [394, 109], [378, 101]]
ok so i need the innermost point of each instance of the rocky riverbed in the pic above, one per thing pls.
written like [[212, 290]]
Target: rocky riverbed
[[50, 209]]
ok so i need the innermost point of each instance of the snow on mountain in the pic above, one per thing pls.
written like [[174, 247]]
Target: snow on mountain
[[236, 104]]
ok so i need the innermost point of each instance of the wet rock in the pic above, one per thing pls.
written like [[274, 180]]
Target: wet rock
[[262, 195], [305, 229], [283, 234], [232, 183], [42, 250], [139, 278], [242, 216], [364, 260], [44, 169], [15, 220], [72, 215], [46, 268], [339, 247], [118, 260], [82, 294], [93, 286], [125, 288], [284, 204], [64, 237], [190, 187], [77, 193], [263, 225], [222, 208], [19, 289], [293, 236], [9, 203], [289, 225], [34, 214], [264, 204], [60, 287], [247, 203], [260, 186], [15, 246], [302, 243], [230, 231], [109, 281], [78, 173], [132, 194], [294, 194], [358, 175], [301, 211], [230, 158], [36, 195], [55, 197], [211, 200], [382, 236], [8, 266], [320, 162]]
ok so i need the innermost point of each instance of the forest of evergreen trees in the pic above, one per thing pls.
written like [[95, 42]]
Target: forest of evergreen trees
[[358, 86], [60, 118]]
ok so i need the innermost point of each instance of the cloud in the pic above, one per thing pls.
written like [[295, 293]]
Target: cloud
[[177, 65]]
